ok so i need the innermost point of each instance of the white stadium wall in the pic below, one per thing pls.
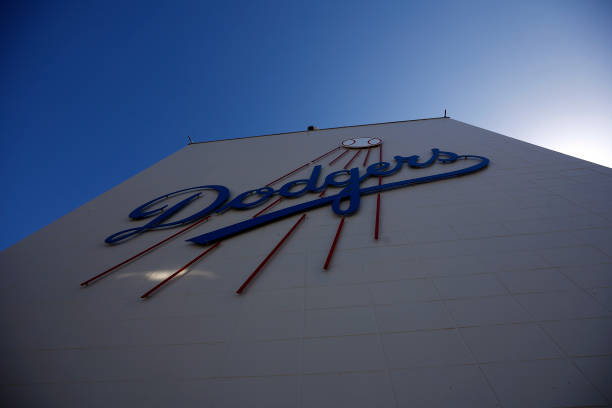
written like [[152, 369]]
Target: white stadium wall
[[488, 290]]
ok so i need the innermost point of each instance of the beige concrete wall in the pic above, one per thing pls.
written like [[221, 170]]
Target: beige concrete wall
[[493, 289]]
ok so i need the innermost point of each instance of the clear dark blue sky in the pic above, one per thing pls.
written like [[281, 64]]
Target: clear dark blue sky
[[94, 92]]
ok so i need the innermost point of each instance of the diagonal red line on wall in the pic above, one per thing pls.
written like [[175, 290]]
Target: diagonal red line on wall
[[268, 207], [352, 158], [341, 154], [365, 161], [194, 260], [263, 263], [303, 166], [326, 154], [111, 269], [288, 174], [333, 246]]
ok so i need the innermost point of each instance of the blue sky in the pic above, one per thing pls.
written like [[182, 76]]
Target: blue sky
[[93, 92]]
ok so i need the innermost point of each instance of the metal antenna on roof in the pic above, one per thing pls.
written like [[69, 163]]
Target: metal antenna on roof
[[190, 141]]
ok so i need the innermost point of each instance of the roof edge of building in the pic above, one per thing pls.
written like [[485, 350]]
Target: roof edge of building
[[318, 130]]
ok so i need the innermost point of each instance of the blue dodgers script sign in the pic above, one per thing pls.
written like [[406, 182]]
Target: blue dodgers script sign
[[351, 192]]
